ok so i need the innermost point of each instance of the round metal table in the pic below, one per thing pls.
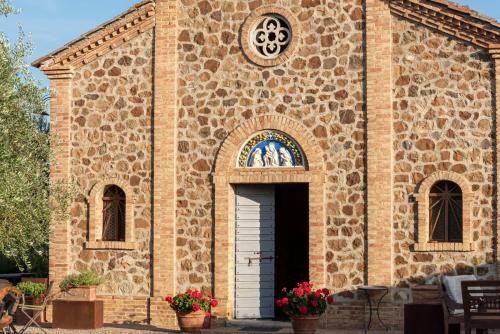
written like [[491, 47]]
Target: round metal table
[[368, 290]]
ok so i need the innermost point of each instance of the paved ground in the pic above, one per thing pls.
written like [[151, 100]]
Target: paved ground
[[225, 330]]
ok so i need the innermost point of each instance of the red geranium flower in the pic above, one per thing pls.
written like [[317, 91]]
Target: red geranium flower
[[303, 309], [329, 299], [307, 289], [196, 307], [284, 301], [214, 303], [169, 299], [326, 292], [298, 292], [181, 295], [283, 290], [314, 303], [279, 303]]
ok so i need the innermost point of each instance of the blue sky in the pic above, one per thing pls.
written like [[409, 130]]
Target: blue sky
[[53, 23]]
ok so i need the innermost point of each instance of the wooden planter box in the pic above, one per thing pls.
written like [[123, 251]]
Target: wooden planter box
[[426, 294], [87, 293]]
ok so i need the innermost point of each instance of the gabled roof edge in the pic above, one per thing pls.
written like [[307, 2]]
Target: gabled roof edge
[[452, 19], [101, 39]]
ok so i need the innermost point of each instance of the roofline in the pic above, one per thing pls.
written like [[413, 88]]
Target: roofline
[[39, 62]]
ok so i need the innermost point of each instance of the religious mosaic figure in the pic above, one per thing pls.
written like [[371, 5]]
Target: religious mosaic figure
[[286, 158], [271, 157], [256, 159]]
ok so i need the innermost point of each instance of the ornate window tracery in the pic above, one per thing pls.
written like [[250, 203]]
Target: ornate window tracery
[[271, 36], [270, 149]]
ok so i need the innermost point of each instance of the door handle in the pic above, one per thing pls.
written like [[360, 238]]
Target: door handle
[[260, 258]]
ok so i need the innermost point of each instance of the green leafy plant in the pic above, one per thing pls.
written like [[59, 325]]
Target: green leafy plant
[[32, 289], [86, 278], [303, 300], [191, 301]]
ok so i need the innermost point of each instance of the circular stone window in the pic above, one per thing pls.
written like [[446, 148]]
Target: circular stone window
[[269, 36]]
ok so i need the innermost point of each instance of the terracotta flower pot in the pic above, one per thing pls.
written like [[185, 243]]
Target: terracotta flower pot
[[192, 321], [81, 293], [306, 324]]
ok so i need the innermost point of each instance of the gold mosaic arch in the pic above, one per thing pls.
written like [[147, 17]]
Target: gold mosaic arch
[[228, 154], [422, 198]]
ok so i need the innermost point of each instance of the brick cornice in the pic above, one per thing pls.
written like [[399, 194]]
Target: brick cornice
[[452, 19], [100, 40]]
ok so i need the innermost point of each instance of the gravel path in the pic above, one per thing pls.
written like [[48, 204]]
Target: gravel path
[[224, 330]]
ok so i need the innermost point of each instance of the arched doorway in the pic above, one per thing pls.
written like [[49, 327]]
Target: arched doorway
[[237, 168]]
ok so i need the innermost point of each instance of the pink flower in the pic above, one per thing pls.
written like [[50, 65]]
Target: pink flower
[[283, 290], [303, 309], [307, 289], [196, 307], [199, 295], [279, 303], [169, 299], [214, 303], [317, 294], [298, 292], [284, 301], [314, 303], [329, 299]]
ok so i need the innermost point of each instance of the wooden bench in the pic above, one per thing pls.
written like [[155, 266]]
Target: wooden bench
[[481, 304]]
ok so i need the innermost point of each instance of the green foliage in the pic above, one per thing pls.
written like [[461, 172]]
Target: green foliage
[[25, 155], [85, 278], [32, 289]]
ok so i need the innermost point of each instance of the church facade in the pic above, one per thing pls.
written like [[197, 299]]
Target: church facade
[[237, 147]]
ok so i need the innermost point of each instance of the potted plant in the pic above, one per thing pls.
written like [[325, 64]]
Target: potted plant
[[191, 309], [82, 286], [33, 295], [304, 306]]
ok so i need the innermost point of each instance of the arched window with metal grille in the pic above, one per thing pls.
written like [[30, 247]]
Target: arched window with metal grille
[[113, 214], [445, 212]]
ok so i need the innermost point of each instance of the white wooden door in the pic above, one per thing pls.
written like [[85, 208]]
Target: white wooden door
[[255, 219]]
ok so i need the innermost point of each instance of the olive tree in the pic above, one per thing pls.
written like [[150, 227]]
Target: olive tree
[[25, 156]]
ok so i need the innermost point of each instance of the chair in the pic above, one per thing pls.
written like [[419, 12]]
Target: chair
[[481, 305], [451, 296], [9, 298], [37, 311]]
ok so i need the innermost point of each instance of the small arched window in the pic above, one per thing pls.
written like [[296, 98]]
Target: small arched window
[[445, 212], [113, 214]]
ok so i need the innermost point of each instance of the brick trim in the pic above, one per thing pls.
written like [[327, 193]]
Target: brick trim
[[250, 23], [451, 19], [164, 149], [101, 40], [227, 175], [496, 105], [95, 207], [422, 198], [60, 170], [228, 153], [379, 143]]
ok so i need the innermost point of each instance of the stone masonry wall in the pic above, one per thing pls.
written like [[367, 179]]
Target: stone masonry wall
[[111, 137], [442, 121], [320, 86]]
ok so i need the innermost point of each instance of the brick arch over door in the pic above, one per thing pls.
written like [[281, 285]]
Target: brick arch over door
[[227, 175], [226, 158]]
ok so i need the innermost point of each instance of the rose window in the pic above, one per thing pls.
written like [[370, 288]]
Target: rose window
[[271, 36]]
